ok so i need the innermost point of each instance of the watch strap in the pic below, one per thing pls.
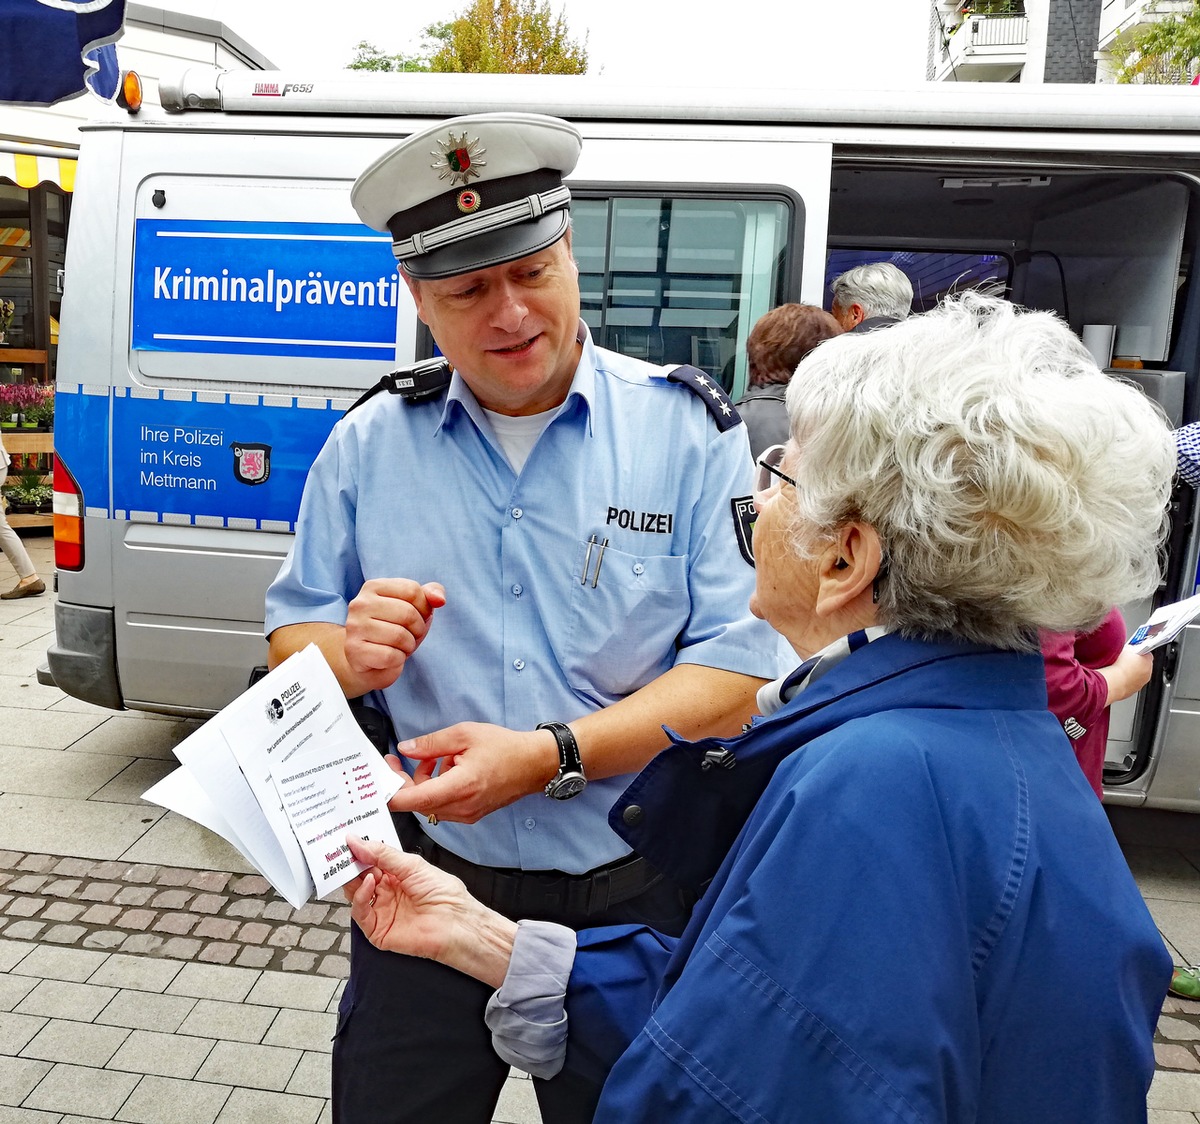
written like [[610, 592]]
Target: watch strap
[[569, 760]]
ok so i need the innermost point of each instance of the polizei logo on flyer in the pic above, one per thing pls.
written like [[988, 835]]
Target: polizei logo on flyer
[[328, 290]]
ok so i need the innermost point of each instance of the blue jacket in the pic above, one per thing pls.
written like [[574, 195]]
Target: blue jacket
[[917, 912]]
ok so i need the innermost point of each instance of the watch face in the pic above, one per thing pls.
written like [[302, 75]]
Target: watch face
[[566, 786]]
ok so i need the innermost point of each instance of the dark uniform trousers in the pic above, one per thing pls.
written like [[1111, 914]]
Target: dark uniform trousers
[[411, 1044]]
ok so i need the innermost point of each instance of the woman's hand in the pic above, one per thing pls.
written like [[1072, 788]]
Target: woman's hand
[[404, 904]]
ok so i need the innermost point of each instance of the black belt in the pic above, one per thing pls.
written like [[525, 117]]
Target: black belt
[[537, 894]]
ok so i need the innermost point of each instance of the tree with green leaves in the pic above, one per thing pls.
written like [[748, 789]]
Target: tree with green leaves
[[1167, 52], [369, 57], [511, 37]]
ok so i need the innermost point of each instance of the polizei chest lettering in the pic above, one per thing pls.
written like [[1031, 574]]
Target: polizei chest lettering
[[653, 522]]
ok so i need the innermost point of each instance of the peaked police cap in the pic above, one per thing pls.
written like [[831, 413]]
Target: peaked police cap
[[472, 192]]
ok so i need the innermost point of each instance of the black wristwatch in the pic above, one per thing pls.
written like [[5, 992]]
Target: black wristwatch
[[570, 780]]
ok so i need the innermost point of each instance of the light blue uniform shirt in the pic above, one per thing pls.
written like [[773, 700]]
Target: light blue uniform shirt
[[424, 492]]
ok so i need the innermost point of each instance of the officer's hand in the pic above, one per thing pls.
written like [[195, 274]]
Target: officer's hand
[[384, 625], [478, 767]]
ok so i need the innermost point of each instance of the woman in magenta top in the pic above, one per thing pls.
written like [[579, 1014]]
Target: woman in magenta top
[[1085, 674]]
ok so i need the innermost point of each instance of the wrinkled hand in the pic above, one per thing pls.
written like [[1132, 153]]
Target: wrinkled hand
[[404, 904], [385, 624], [479, 768]]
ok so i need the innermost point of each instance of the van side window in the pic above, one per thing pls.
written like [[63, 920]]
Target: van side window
[[680, 280]]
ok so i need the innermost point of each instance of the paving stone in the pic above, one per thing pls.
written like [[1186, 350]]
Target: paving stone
[[217, 928], [140, 1010], [1178, 1029], [312, 1077], [172, 899], [181, 948], [80, 1089], [25, 907], [278, 911], [13, 952], [104, 940], [74, 965], [1170, 1055], [147, 943], [241, 1022], [134, 895], [299, 961], [218, 953], [286, 936], [305, 993], [62, 1040], [319, 939], [253, 1106], [141, 872], [29, 884], [167, 1100], [74, 868], [100, 914], [13, 989], [208, 903], [313, 913], [19, 1077], [17, 1031], [254, 932], [303, 1030], [62, 888], [206, 981], [136, 972], [178, 923], [24, 930], [243, 1063], [62, 911], [39, 863], [9, 1115], [213, 881], [99, 891], [252, 957], [137, 919], [60, 999], [114, 871], [164, 1055], [250, 885], [174, 876], [64, 934], [250, 907], [338, 966]]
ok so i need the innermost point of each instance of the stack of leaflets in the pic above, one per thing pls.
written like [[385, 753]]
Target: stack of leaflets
[[284, 773], [1165, 624]]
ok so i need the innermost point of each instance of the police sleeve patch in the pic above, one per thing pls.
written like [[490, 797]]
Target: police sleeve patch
[[744, 515], [709, 391]]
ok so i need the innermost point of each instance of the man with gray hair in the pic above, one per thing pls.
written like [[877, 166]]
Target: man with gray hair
[[871, 296]]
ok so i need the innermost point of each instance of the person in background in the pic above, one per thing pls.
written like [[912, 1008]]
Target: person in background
[[1085, 674], [871, 296], [776, 344], [902, 857], [28, 582], [531, 574], [1187, 451]]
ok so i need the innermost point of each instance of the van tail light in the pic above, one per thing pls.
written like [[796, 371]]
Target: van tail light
[[68, 519]]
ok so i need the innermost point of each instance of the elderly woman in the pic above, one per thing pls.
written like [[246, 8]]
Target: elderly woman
[[902, 862]]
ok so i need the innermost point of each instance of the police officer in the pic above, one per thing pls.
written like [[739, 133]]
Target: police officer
[[531, 573]]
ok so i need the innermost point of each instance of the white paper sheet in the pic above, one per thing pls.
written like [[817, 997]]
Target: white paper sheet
[[293, 723]]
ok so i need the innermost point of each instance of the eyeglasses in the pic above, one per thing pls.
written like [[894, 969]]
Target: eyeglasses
[[768, 468]]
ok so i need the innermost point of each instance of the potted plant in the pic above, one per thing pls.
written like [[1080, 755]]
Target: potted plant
[[29, 494], [8, 309], [39, 412], [16, 398]]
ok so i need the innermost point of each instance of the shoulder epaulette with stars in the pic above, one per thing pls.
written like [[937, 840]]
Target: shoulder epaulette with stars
[[709, 391]]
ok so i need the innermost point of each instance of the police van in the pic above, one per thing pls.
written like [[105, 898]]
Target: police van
[[223, 306]]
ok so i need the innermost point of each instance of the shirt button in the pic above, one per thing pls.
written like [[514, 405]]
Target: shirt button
[[519, 665], [517, 590], [517, 513], [638, 568], [530, 824]]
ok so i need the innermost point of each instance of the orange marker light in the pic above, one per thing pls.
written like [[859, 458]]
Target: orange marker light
[[129, 96]]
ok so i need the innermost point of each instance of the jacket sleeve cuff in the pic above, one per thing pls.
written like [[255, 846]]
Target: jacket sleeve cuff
[[527, 1015]]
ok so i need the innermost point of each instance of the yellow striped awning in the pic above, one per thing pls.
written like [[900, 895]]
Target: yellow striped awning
[[26, 170]]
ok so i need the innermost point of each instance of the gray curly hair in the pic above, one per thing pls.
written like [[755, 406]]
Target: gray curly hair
[[1013, 485]]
